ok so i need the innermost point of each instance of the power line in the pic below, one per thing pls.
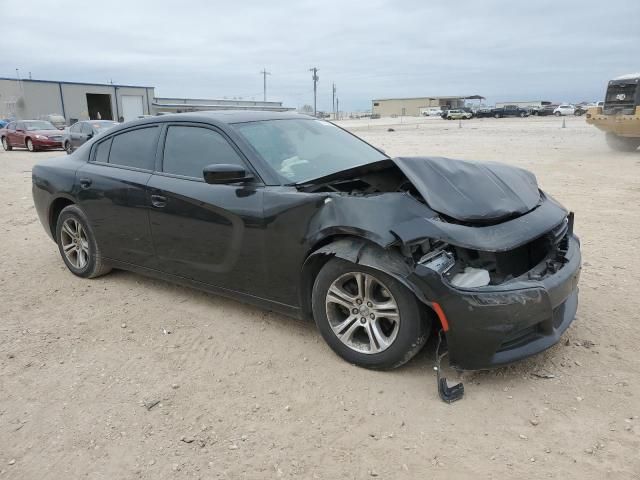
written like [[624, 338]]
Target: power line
[[264, 82]]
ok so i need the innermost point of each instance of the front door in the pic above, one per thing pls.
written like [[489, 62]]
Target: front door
[[18, 135], [207, 233], [113, 193]]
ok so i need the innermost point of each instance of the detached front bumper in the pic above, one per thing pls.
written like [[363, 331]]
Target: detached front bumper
[[499, 324]]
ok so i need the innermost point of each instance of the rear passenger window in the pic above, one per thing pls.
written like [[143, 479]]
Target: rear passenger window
[[102, 151], [136, 148], [187, 150]]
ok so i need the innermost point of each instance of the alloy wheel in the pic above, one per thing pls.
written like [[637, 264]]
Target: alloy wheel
[[30, 145], [362, 312], [68, 148], [75, 243], [5, 144]]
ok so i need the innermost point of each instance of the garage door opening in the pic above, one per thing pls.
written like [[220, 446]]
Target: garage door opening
[[99, 106]]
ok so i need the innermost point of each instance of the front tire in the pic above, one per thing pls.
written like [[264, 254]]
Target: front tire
[[68, 148], [622, 144], [366, 316], [6, 145], [77, 244], [30, 145]]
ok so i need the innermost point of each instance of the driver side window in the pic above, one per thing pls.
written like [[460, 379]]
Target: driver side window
[[187, 150]]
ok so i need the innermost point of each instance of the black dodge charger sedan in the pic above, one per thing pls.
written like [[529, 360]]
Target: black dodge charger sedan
[[297, 215]]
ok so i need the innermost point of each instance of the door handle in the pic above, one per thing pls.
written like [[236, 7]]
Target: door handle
[[85, 182], [158, 201]]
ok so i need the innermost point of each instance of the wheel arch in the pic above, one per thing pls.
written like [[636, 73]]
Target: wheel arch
[[57, 205], [360, 251]]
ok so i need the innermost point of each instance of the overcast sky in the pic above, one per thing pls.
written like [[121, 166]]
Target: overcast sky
[[504, 50]]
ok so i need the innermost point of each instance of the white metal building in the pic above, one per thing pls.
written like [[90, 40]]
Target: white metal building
[[36, 99], [33, 99], [179, 105]]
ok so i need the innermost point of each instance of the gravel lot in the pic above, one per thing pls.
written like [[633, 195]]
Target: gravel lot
[[245, 393]]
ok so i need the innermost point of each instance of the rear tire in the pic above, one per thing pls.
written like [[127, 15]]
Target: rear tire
[[6, 145], [394, 342], [68, 148], [497, 115], [77, 244], [622, 144], [557, 114]]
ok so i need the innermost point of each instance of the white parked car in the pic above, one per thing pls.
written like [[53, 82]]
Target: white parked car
[[432, 112], [564, 110]]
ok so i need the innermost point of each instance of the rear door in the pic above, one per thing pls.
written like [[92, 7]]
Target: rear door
[[112, 192], [208, 233], [74, 134]]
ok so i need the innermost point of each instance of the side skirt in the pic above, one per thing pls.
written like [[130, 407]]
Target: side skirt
[[288, 310]]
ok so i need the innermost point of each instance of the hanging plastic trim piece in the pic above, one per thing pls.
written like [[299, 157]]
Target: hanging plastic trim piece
[[447, 394]]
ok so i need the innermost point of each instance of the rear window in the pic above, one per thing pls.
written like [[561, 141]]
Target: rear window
[[135, 148], [102, 151]]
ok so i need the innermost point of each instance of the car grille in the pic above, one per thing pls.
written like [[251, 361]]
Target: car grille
[[621, 98]]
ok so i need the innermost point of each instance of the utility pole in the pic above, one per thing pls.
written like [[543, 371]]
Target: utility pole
[[315, 90], [264, 81], [337, 108], [333, 101]]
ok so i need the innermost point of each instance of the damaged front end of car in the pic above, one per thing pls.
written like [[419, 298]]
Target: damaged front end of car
[[494, 257]]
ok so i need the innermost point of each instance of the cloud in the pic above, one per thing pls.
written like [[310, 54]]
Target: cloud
[[505, 50]]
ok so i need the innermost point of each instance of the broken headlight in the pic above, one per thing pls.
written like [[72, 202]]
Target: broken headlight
[[439, 261]]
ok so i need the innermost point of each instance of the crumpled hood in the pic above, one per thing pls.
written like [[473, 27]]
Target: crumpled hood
[[471, 191]]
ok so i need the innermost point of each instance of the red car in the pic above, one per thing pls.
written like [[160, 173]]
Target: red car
[[31, 134]]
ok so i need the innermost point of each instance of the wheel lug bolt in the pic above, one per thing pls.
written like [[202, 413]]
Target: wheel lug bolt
[[355, 310], [369, 304], [358, 301], [363, 320], [372, 316]]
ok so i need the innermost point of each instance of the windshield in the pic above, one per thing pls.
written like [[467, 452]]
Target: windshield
[[302, 149], [103, 126], [39, 126]]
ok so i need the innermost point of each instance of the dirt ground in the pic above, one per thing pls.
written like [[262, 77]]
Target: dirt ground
[[245, 393]]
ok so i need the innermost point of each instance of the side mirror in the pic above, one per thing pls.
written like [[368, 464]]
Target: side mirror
[[225, 173], [89, 135]]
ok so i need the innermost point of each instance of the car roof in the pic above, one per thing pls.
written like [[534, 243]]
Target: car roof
[[226, 116], [96, 121]]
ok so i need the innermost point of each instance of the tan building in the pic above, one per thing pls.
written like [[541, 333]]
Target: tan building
[[413, 107]]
